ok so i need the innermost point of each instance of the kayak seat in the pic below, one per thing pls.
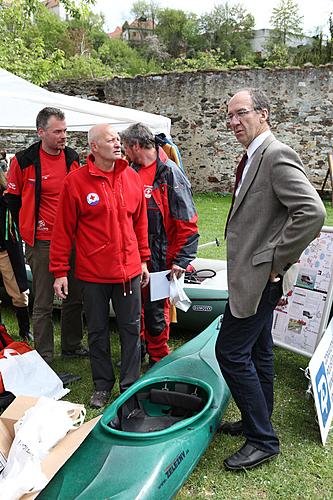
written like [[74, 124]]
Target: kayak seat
[[137, 413], [177, 400]]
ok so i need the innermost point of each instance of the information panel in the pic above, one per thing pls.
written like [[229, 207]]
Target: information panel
[[299, 324], [321, 373]]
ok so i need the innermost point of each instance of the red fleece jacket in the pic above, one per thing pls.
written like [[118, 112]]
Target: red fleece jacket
[[106, 216]]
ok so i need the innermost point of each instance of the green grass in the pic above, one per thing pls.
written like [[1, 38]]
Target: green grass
[[304, 469]]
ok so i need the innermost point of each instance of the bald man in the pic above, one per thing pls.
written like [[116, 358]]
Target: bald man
[[102, 207]]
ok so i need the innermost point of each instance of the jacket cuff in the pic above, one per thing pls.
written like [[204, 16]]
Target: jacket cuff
[[60, 274]]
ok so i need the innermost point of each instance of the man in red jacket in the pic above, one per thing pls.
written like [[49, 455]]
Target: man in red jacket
[[102, 207], [35, 179], [172, 227]]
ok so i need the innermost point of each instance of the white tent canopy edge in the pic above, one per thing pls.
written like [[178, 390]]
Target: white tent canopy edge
[[20, 102]]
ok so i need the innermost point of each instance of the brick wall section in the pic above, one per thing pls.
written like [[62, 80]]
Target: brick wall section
[[302, 115]]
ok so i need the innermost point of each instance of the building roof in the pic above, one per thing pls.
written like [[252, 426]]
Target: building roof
[[116, 34]]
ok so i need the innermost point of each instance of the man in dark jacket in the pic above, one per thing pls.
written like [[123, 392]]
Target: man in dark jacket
[[172, 227], [12, 265], [34, 182]]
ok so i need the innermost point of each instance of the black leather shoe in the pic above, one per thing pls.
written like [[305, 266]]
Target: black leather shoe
[[82, 352], [232, 428], [248, 457], [100, 399]]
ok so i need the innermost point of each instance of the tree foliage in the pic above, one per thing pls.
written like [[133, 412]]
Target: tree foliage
[[172, 30], [286, 21], [230, 29], [37, 45]]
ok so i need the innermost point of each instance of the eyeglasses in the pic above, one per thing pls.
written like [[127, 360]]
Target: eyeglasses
[[239, 115]]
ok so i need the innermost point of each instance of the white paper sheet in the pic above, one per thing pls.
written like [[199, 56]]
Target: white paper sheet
[[159, 285]]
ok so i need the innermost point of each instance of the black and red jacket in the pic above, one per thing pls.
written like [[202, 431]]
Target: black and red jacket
[[172, 217], [24, 188]]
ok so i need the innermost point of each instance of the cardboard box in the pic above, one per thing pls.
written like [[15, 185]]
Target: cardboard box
[[58, 455]]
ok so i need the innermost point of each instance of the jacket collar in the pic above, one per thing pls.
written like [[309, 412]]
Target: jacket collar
[[251, 174], [120, 166]]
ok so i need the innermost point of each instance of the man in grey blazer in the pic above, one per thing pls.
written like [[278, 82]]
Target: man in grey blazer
[[275, 214]]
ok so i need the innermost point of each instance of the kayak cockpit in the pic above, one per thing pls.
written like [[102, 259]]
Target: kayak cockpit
[[159, 407]]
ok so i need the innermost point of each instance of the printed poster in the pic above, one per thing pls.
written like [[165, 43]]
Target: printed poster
[[299, 323]]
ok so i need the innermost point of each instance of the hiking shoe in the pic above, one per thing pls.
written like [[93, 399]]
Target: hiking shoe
[[99, 399], [82, 352], [26, 336]]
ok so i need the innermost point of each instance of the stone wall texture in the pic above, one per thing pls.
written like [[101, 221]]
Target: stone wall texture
[[301, 115]]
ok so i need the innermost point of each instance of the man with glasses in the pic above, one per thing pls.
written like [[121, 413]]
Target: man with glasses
[[274, 215]]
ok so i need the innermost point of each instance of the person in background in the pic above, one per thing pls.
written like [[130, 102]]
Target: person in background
[[3, 161], [35, 179], [102, 208], [12, 265], [274, 215], [172, 227]]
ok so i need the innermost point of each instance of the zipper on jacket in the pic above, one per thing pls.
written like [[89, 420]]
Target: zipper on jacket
[[106, 196]]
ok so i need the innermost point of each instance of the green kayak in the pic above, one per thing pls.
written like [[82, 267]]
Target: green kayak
[[149, 440], [207, 288]]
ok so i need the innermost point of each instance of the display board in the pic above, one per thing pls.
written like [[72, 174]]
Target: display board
[[321, 374], [300, 323]]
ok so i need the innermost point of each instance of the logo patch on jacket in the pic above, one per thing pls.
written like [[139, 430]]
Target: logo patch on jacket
[[92, 198]]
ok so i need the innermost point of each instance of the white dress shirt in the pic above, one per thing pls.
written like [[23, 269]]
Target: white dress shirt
[[250, 152]]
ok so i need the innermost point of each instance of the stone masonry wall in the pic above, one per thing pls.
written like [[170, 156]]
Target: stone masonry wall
[[301, 115]]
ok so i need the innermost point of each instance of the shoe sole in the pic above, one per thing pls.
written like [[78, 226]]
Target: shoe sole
[[246, 467]]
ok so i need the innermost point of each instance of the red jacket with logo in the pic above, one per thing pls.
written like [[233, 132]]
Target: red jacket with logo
[[107, 217], [172, 217], [25, 186]]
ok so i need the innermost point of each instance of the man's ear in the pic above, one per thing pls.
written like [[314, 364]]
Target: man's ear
[[264, 115], [40, 132]]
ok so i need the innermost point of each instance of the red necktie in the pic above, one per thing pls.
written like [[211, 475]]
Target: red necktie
[[239, 173], [240, 170]]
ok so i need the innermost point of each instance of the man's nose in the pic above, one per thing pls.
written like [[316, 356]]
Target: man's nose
[[234, 119]]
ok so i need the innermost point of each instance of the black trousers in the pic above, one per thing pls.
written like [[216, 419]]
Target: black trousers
[[96, 298], [244, 351]]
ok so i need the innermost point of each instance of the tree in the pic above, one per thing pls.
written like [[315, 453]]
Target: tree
[[145, 9], [286, 21], [124, 60], [229, 29], [23, 49], [154, 49], [175, 28]]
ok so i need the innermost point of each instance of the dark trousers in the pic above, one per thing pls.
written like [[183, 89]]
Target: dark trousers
[[244, 350], [38, 258], [96, 299]]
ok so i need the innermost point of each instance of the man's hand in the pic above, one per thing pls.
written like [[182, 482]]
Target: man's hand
[[176, 271], [144, 275], [274, 277], [61, 287]]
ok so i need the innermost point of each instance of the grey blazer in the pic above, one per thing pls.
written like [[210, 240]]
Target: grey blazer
[[276, 214]]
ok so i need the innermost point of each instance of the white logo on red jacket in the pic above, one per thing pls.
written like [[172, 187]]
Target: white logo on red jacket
[[92, 198], [148, 190]]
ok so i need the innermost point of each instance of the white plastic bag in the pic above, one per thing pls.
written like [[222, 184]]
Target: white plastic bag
[[177, 295], [29, 375], [36, 433]]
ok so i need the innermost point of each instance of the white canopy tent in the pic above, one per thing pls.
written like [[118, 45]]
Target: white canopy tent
[[20, 102]]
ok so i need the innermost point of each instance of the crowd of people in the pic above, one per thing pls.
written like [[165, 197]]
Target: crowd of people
[[93, 233]]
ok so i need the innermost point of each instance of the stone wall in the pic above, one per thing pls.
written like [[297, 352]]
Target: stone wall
[[302, 115]]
